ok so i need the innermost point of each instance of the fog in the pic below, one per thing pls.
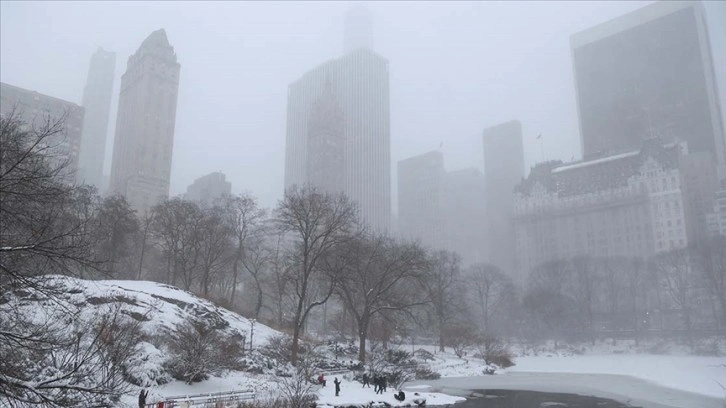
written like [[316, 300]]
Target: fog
[[455, 68], [454, 189]]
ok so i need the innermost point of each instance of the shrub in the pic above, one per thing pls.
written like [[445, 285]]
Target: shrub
[[398, 357], [494, 351], [197, 350], [277, 350], [424, 355], [425, 373]]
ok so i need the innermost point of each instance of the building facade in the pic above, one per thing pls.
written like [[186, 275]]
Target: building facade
[[627, 205], [717, 218], [467, 215], [141, 167], [37, 110], [423, 199], [358, 85], [326, 144], [648, 74], [97, 103], [442, 210], [503, 170], [208, 188]]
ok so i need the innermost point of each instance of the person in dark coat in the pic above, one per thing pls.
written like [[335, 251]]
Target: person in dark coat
[[142, 398], [366, 380], [384, 384], [337, 386], [376, 384]]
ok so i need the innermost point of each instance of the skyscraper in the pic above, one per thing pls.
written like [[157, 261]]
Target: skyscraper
[[208, 188], [648, 74], [467, 215], [145, 123], [422, 200], [97, 103], [443, 210], [326, 144], [503, 170], [35, 109], [357, 84]]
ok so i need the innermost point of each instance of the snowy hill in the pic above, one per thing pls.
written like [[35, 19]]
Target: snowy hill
[[159, 310], [157, 306]]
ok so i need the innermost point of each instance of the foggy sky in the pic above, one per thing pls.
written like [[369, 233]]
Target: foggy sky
[[455, 68]]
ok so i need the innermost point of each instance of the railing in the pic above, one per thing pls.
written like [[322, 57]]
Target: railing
[[196, 400]]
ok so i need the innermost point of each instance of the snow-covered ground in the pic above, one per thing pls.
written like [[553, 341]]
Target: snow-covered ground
[[622, 372], [642, 380], [352, 392]]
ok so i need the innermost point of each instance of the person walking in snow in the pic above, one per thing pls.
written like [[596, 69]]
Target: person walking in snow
[[366, 380], [142, 398], [384, 384], [337, 386], [321, 379]]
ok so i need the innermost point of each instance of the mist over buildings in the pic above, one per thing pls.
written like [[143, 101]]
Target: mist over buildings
[[515, 134], [455, 69]]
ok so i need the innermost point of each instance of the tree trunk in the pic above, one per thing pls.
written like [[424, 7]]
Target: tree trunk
[[235, 269], [206, 281], [295, 340], [441, 333], [258, 305], [362, 345], [141, 258]]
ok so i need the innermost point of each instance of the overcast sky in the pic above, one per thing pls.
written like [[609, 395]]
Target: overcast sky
[[455, 68]]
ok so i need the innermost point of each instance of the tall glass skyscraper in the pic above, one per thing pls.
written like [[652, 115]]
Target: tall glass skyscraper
[[648, 74], [97, 102]]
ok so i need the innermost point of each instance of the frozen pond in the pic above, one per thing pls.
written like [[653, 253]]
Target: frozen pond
[[626, 390], [535, 399]]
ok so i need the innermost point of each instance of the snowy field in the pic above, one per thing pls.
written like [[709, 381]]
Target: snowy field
[[651, 381], [623, 372]]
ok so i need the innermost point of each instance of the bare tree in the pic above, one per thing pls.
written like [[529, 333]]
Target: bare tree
[[319, 223], [549, 300], [636, 277], [445, 291], [279, 282], [711, 261], [143, 234], [257, 262], [215, 245], [244, 216], [117, 223], [49, 357], [297, 390], [375, 271], [492, 288], [584, 290], [54, 358], [41, 232], [177, 226], [676, 273]]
